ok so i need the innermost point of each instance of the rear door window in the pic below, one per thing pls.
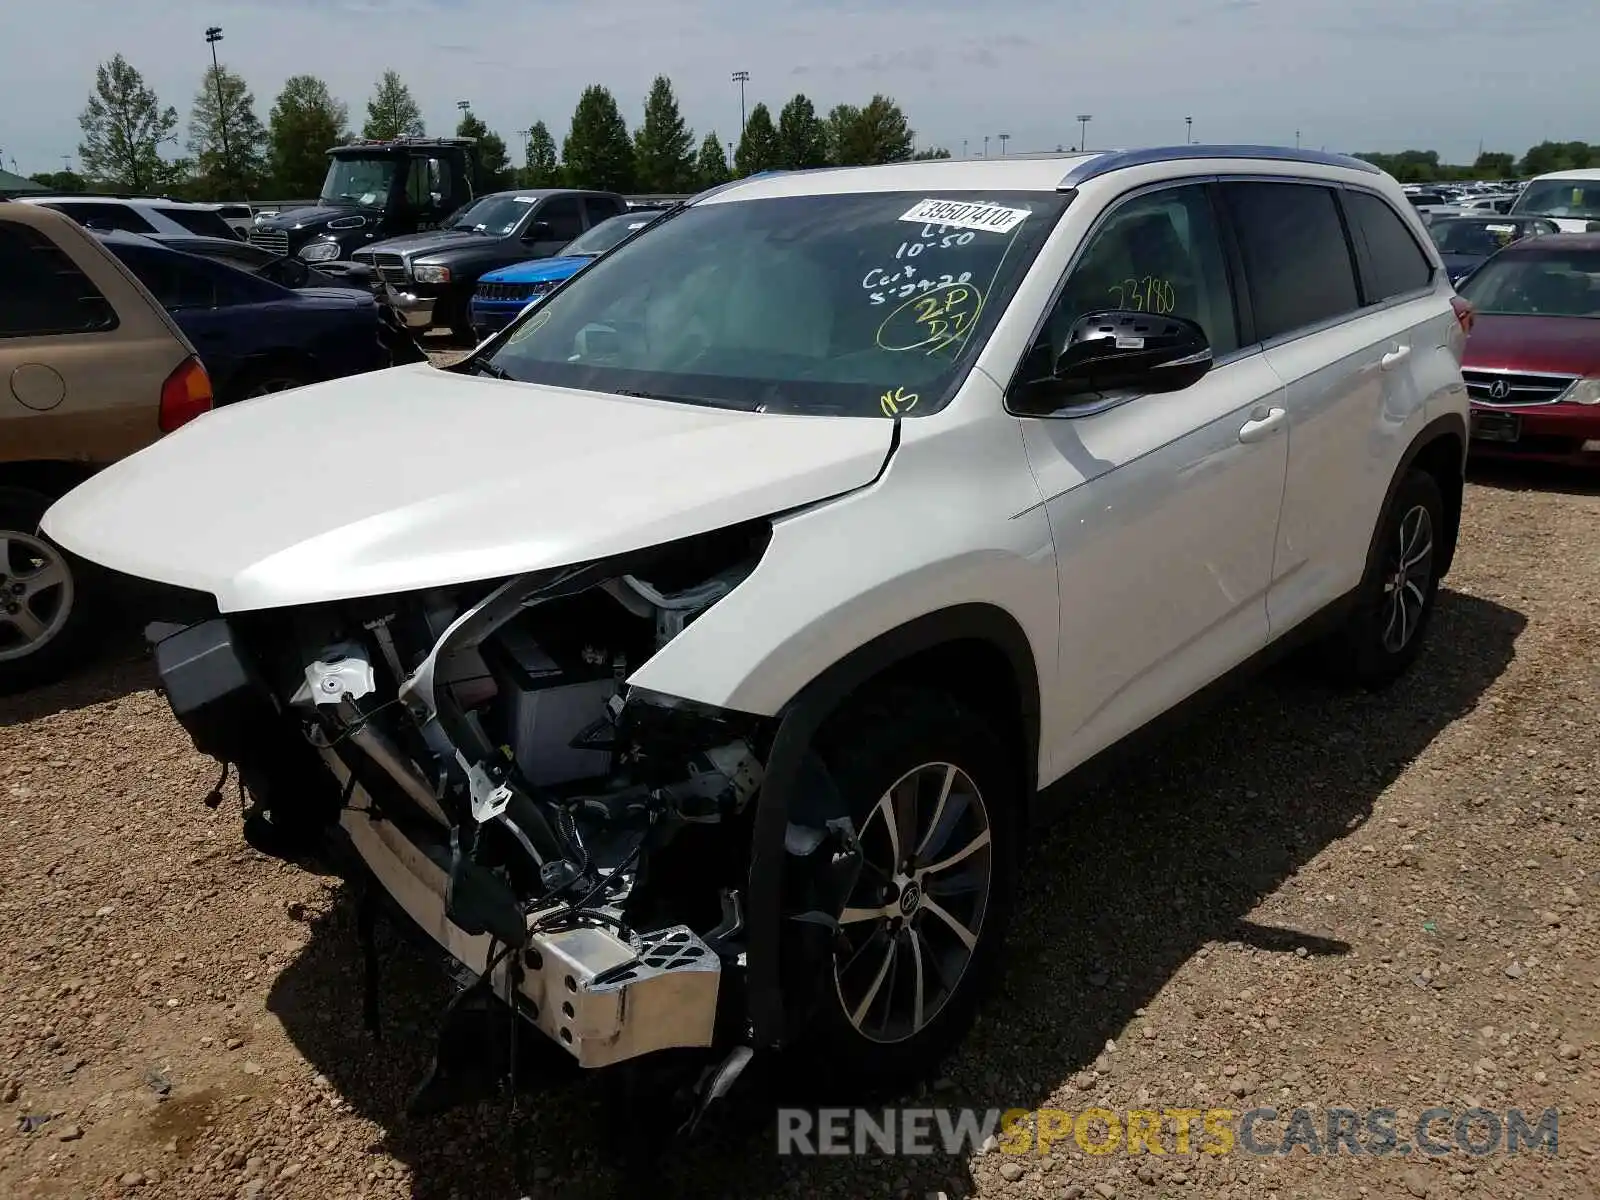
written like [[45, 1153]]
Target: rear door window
[[564, 216], [44, 291], [199, 220], [599, 208], [93, 215], [1296, 255], [1395, 263], [175, 283]]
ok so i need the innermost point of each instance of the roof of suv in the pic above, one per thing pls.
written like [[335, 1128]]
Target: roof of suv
[[1047, 172], [86, 198]]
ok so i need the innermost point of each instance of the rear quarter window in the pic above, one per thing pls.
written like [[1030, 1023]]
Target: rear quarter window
[[44, 291], [1296, 256], [105, 216], [199, 220], [1395, 263]]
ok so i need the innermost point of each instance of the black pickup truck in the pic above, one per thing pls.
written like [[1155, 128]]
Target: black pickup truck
[[429, 277]]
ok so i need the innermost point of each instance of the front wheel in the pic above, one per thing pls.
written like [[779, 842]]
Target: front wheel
[[1384, 632], [935, 799], [42, 603]]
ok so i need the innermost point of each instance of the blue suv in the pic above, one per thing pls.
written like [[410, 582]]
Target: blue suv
[[502, 294]]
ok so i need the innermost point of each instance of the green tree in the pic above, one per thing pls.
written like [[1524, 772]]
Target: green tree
[[663, 146], [840, 134], [597, 152], [802, 140], [61, 182], [494, 166], [541, 170], [226, 137], [123, 128], [758, 147], [1559, 156], [711, 165], [1491, 165], [305, 123], [930, 153], [392, 112], [881, 133]]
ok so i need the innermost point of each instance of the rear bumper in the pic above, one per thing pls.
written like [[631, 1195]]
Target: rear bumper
[[1547, 433], [600, 997]]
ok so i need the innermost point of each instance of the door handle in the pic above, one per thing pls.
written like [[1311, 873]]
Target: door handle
[[1258, 429], [1395, 357]]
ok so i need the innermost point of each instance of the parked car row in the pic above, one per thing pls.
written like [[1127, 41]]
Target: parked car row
[[109, 339]]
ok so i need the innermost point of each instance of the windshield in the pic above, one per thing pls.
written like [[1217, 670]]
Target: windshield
[[1478, 237], [1578, 198], [607, 234], [868, 304], [1546, 283], [363, 181], [497, 215]]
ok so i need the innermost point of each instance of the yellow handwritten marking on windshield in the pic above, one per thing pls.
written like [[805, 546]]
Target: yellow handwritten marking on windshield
[[897, 401], [533, 325], [1149, 294], [934, 320]]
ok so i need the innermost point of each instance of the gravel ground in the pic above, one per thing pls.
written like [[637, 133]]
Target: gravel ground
[[1308, 898]]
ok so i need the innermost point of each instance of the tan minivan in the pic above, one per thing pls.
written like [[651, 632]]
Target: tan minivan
[[91, 369]]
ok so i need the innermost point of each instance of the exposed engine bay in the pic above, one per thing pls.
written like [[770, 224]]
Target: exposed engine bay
[[583, 848]]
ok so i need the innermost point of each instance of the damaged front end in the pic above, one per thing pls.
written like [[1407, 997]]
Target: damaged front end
[[583, 848]]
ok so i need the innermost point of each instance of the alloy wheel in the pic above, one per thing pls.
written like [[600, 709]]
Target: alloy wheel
[[35, 594], [266, 387], [1407, 576], [913, 920]]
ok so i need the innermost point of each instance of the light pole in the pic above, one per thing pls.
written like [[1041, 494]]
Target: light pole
[[1297, 139], [986, 145], [963, 147], [1188, 131], [1004, 138], [213, 36], [1083, 130], [741, 78], [465, 106]]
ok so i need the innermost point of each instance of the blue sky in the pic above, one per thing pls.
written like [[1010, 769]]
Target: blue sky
[[1348, 74]]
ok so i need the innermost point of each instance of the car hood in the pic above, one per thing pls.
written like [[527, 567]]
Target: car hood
[[413, 245], [1559, 345], [539, 270], [299, 218], [415, 477]]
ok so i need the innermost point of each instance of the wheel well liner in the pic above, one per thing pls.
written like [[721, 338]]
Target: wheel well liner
[[51, 478], [1440, 449], [983, 647]]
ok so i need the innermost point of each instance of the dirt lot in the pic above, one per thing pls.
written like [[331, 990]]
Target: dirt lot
[[1309, 898]]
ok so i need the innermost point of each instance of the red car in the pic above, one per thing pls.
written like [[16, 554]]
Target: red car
[[1532, 364]]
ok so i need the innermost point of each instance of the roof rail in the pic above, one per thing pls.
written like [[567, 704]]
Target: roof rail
[[1117, 160]]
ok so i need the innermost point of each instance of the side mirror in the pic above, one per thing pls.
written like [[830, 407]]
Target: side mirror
[[1119, 351], [539, 231]]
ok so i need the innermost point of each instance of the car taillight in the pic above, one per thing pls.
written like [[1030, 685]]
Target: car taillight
[[1464, 313], [185, 395]]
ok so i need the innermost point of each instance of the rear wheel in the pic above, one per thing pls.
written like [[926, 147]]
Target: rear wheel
[[276, 378], [42, 603], [934, 801], [1384, 632]]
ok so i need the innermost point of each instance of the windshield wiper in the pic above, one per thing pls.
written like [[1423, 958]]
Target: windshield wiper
[[703, 401], [482, 366]]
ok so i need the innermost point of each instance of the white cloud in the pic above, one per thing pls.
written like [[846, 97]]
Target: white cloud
[[1348, 74]]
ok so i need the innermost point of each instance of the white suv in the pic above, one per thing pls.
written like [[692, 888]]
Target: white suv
[[693, 654], [137, 214]]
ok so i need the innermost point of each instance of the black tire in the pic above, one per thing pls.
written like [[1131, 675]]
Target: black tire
[[268, 378], [66, 637], [1379, 640], [873, 745]]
